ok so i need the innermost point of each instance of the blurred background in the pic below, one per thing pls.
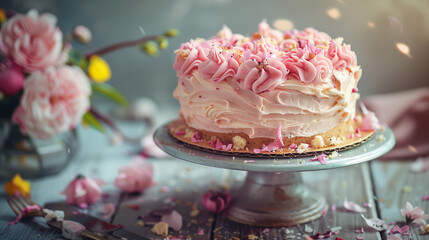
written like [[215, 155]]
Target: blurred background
[[373, 28]]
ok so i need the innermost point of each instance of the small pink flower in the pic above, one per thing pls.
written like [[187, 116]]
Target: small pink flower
[[414, 214], [11, 78], [216, 201], [135, 177], [53, 102], [353, 207], [321, 158], [83, 190], [82, 34], [33, 42]]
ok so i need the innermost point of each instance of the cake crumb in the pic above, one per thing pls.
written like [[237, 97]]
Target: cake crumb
[[161, 229], [188, 133], [333, 141], [302, 147], [252, 237], [333, 154], [239, 142], [381, 138], [317, 142]]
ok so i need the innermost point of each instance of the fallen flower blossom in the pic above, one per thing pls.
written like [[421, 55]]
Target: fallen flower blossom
[[353, 207], [375, 223], [216, 201], [174, 220], [321, 158], [82, 191], [414, 214], [135, 177]]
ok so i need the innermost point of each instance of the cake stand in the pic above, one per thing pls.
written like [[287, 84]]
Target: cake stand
[[273, 193]]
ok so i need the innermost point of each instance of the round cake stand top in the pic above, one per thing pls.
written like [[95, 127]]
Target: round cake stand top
[[381, 143]]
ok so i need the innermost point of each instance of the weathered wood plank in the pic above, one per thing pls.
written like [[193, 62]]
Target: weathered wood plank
[[395, 184], [352, 183]]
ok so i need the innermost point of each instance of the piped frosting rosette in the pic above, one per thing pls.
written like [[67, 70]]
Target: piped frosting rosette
[[301, 81]]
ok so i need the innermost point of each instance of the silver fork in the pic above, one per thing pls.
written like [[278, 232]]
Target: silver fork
[[17, 204]]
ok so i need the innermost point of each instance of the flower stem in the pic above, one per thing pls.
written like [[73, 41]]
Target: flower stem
[[120, 45]]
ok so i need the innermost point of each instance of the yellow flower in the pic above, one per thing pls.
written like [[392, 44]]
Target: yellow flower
[[98, 69], [2, 15], [17, 185]]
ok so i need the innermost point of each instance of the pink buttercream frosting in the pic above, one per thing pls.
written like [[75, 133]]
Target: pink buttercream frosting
[[300, 81]]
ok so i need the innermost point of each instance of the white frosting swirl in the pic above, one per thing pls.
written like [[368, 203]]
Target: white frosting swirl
[[302, 109]]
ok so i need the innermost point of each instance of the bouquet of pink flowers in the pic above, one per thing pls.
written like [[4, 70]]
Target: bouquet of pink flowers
[[46, 83]]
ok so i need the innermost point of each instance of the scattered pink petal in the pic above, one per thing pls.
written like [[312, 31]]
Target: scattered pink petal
[[354, 90], [376, 223], [420, 165], [351, 136], [72, 230], [180, 133], [196, 137], [370, 122], [367, 205], [108, 209], [200, 231], [174, 220], [278, 142], [414, 214], [333, 207], [395, 24], [357, 135], [217, 144], [321, 158], [397, 229], [293, 146], [353, 207], [359, 237], [425, 198], [83, 205], [24, 211], [216, 201], [324, 212]]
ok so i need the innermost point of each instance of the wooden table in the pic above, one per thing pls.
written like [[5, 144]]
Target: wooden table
[[385, 184]]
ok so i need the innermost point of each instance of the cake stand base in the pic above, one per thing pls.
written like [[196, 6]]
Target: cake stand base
[[275, 199]]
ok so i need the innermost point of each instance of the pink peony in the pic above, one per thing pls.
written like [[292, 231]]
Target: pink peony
[[11, 78], [83, 190], [33, 42], [216, 201], [53, 102], [135, 177]]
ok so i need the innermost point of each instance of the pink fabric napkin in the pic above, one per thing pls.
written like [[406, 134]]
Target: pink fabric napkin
[[407, 114]]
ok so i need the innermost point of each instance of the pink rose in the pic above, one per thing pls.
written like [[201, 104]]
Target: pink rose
[[53, 102], [135, 177], [33, 42], [216, 201], [11, 78], [83, 190]]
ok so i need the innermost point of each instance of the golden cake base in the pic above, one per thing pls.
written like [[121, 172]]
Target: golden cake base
[[205, 144]]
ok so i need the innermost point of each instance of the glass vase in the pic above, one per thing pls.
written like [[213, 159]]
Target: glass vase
[[32, 157]]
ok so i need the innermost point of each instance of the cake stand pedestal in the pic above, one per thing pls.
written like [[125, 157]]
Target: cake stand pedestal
[[273, 193]]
